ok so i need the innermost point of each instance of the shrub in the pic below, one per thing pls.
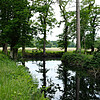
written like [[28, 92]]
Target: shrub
[[98, 48], [73, 59], [95, 61]]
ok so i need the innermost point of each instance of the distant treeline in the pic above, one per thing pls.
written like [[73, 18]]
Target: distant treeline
[[49, 44]]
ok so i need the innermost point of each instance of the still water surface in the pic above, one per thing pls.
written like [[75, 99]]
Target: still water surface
[[64, 83]]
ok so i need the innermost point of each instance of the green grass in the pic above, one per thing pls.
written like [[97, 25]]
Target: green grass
[[15, 81]]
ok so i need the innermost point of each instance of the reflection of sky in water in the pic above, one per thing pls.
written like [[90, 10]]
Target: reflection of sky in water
[[51, 74]]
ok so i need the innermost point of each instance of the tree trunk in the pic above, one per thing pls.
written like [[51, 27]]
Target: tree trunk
[[65, 49], [92, 48], [93, 32], [78, 26], [84, 44], [5, 48], [44, 43], [66, 44], [66, 41], [13, 52], [44, 40], [93, 37], [23, 50]]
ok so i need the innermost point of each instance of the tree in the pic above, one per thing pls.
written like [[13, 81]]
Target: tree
[[94, 22], [97, 42], [5, 14], [26, 34], [45, 20], [78, 25], [16, 26], [89, 23], [66, 15], [84, 20]]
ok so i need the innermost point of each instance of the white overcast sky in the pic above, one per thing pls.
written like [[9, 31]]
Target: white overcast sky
[[56, 30]]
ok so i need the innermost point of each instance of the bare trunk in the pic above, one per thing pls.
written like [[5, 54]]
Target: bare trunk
[[92, 48], [23, 51], [93, 32], [66, 38], [44, 43], [5, 48], [65, 49], [66, 44], [13, 52], [93, 37], [44, 40], [78, 26], [84, 44]]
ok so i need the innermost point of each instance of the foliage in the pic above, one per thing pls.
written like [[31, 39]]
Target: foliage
[[97, 42], [94, 64], [49, 44], [72, 44], [61, 42], [85, 10], [52, 44], [15, 26], [65, 36], [73, 59], [73, 77], [89, 23], [95, 61], [84, 61], [39, 96], [98, 48], [88, 41], [45, 18], [15, 81]]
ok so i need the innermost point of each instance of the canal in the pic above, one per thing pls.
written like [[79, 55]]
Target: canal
[[61, 82]]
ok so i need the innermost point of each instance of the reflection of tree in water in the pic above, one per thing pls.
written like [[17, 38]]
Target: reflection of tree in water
[[79, 86], [47, 84], [68, 91]]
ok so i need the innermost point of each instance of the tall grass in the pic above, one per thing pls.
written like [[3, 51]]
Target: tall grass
[[15, 81]]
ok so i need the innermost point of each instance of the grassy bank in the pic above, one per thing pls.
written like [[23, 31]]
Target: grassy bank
[[15, 81]]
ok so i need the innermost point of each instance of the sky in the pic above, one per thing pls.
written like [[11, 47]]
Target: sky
[[56, 31]]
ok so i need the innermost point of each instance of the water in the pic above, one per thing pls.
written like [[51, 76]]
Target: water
[[63, 82], [49, 78]]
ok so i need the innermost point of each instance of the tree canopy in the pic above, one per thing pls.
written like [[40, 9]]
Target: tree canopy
[[17, 29]]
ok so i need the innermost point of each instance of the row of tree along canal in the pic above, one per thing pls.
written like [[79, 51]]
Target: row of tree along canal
[[18, 30]]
